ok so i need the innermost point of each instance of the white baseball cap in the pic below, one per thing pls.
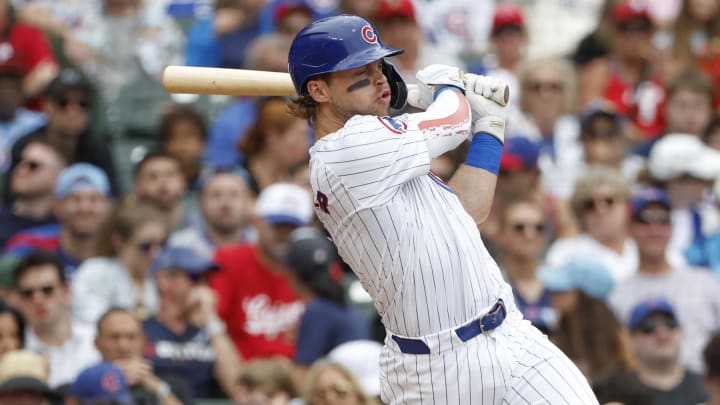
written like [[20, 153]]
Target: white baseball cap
[[675, 155], [285, 203], [362, 358]]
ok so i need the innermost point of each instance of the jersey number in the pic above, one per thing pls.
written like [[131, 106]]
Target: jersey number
[[321, 201]]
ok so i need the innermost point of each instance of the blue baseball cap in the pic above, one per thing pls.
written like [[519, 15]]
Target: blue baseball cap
[[584, 274], [182, 258], [81, 177], [649, 307], [519, 153], [103, 382], [648, 196]]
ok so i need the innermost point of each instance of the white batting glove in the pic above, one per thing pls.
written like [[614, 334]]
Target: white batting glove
[[429, 80], [487, 115]]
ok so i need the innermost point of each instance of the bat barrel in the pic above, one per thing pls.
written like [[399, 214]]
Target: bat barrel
[[231, 82]]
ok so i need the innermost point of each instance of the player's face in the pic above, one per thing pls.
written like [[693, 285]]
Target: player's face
[[364, 90]]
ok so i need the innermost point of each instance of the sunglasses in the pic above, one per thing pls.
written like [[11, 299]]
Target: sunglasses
[[64, 102], [652, 217], [149, 246], [520, 227], [340, 389], [29, 293], [649, 325], [539, 87], [593, 204]]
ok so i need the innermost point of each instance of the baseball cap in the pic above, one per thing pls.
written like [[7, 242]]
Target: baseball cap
[[285, 203], [395, 8], [362, 358], [649, 307], [81, 177], [507, 15], [647, 196], [67, 79], [103, 382], [24, 371], [182, 258], [675, 155], [629, 9], [284, 7], [584, 274], [519, 153], [309, 252], [597, 109]]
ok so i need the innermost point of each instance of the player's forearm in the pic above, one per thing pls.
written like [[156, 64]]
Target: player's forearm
[[446, 122], [475, 188]]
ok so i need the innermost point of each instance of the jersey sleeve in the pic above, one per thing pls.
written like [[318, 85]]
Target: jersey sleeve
[[373, 154]]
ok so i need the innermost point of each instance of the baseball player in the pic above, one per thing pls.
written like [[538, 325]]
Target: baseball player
[[454, 334]]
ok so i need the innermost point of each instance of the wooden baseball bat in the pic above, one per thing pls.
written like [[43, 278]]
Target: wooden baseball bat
[[242, 82]]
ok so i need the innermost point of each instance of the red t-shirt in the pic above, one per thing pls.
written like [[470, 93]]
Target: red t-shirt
[[643, 105], [257, 303]]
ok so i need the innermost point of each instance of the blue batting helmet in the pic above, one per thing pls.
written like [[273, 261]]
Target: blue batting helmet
[[340, 43]]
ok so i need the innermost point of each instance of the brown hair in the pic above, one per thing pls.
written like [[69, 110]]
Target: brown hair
[[179, 113], [567, 75], [124, 221], [593, 337], [683, 29], [589, 181], [270, 375], [272, 115], [322, 365], [692, 80], [304, 106]]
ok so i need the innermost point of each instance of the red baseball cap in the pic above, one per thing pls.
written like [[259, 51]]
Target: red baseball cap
[[285, 7], [507, 14], [393, 8], [628, 9]]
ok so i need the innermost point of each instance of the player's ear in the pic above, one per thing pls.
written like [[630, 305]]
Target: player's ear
[[319, 91]]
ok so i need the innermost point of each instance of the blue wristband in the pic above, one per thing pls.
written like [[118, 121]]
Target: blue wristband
[[447, 87], [485, 152]]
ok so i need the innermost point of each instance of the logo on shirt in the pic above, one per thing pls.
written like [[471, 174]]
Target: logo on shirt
[[368, 34], [393, 125], [268, 319], [186, 351]]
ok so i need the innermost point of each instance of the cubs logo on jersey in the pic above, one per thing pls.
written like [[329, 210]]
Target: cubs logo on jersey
[[393, 125]]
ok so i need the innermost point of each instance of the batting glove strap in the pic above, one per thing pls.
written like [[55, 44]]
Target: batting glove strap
[[490, 124]]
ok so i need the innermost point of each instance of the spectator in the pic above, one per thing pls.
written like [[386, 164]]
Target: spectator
[[397, 24], [255, 297], [267, 52], [705, 251], [587, 331], [265, 381], [23, 379], [15, 120], [12, 329], [159, 181], [102, 383], [683, 166], [119, 276], [599, 204], [120, 341], [508, 42], [32, 185], [621, 390], [43, 297], [81, 206], [183, 134], [32, 51], [225, 202], [362, 359], [290, 16], [711, 357], [690, 103], [186, 338], [695, 294], [523, 235], [67, 105], [329, 320], [656, 340], [711, 134], [275, 145], [545, 117], [331, 383]]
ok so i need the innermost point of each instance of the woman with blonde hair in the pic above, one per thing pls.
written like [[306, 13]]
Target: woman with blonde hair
[[275, 146], [120, 274], [328, 383]]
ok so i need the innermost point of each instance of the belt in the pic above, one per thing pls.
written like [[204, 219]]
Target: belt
[[491, 320]]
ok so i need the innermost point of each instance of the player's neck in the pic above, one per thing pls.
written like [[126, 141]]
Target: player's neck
[[326, 122]]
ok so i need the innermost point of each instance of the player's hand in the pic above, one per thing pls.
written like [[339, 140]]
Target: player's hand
[[487, 115], [429, 80]]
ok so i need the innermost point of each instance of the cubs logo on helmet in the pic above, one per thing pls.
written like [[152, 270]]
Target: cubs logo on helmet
[[368, 34]]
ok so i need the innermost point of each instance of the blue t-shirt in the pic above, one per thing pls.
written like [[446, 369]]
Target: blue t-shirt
[[188, 356], [11, 224], [325, 325], [540, 313]]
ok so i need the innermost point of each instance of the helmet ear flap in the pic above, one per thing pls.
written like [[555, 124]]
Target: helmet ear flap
[[398, 88]]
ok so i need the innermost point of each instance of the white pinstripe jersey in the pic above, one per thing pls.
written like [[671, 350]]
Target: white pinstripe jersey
[[404, 233]]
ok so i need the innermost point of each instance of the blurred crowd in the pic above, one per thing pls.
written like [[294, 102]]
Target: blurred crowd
[[162, 249]]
